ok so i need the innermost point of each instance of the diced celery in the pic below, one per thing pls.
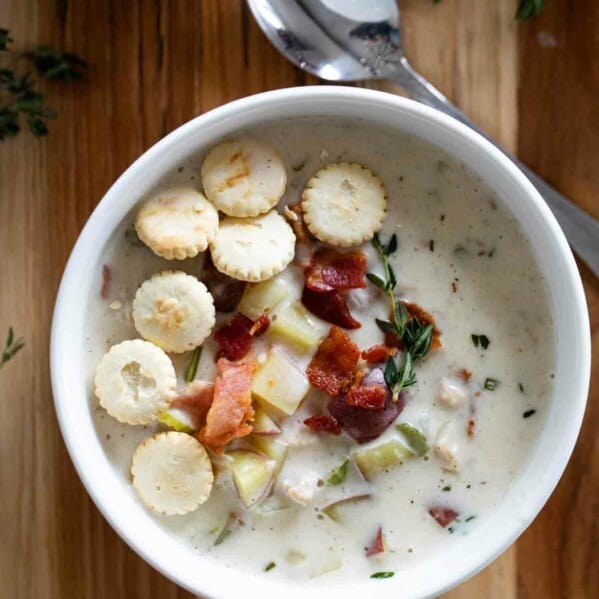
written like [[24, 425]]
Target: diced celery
[[253, 475], [178, 420], [261, 297], [381, 457], [279, 384], [295, 325]]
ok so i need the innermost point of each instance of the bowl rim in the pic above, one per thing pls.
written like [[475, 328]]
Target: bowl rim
[[102, 222]]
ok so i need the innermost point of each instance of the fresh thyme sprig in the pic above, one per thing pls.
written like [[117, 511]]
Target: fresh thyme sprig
[[415, 335], [17, 92], [12, 345]]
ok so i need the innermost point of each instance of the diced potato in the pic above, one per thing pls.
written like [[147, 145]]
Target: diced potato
[[271, 448], [261, 297], [263, 423], [380, 457], [253, 475], [335, 511], [279, 384], [295, 325]]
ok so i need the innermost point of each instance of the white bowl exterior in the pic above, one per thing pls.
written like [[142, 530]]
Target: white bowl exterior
[[524, 499]]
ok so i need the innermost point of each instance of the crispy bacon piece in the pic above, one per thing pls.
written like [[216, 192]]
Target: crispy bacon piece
[[226, 291], [330, 270], [234, 338], [365, 425], [422, 315], [333, 365], [195, 399], [378, 353], [464, 374], [443, 515], [367, 398], [330, 306], [231, 413], [378, 544], [106, 279], [260, 325], [323, 423]]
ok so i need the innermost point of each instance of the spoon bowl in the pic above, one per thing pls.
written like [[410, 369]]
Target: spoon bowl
[[353, 40]]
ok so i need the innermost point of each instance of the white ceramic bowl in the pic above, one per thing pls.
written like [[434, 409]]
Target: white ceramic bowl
[[529, 491]]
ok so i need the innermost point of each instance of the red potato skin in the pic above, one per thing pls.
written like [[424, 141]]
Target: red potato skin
[[443, 515], [378, 544], [366, 425]]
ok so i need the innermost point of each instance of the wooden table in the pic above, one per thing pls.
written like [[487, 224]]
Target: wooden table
[[156, 64]]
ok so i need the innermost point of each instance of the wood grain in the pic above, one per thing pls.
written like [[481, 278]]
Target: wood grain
[[154, 65]]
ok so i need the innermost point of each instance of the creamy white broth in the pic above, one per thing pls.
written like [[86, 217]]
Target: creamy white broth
[[463, 259]]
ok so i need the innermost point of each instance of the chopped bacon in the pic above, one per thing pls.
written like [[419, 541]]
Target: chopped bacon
[[226, 291], [106, 278], [422, 315], [195, 399], [471, 426], [231, 413], [330, 306], [234, 338], [333, 365], [323, 423], [378, 353], [378, 544], [260, 325], [443, 515], [330, 270], [367, 398], [464, 374]]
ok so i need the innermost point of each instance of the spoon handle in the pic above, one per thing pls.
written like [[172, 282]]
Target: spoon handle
[[581, 229]]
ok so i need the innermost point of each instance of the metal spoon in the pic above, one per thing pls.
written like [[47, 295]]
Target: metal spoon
[[353, 40]]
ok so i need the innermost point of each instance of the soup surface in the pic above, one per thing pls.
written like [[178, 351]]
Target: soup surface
[[477, 404]]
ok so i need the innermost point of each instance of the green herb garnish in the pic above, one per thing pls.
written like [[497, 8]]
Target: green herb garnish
[[528, 413], [18, 96], [415, 335], [338, 475], [528, 9], [382, 575], [269, 566], [11, 347], [192, 366], [483, 340], [521, 387], [491, 384], [226, 529], [414, 437], [469, 518], [447, 488]]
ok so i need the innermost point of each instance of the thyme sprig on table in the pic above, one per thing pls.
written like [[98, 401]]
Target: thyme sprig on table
[[18, 94], [11, 347], [528, 9], [416, 336]]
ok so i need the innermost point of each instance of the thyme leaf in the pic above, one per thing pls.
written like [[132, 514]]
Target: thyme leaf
[[382, 575], [11, 347], [528, 9], [491, 384]]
